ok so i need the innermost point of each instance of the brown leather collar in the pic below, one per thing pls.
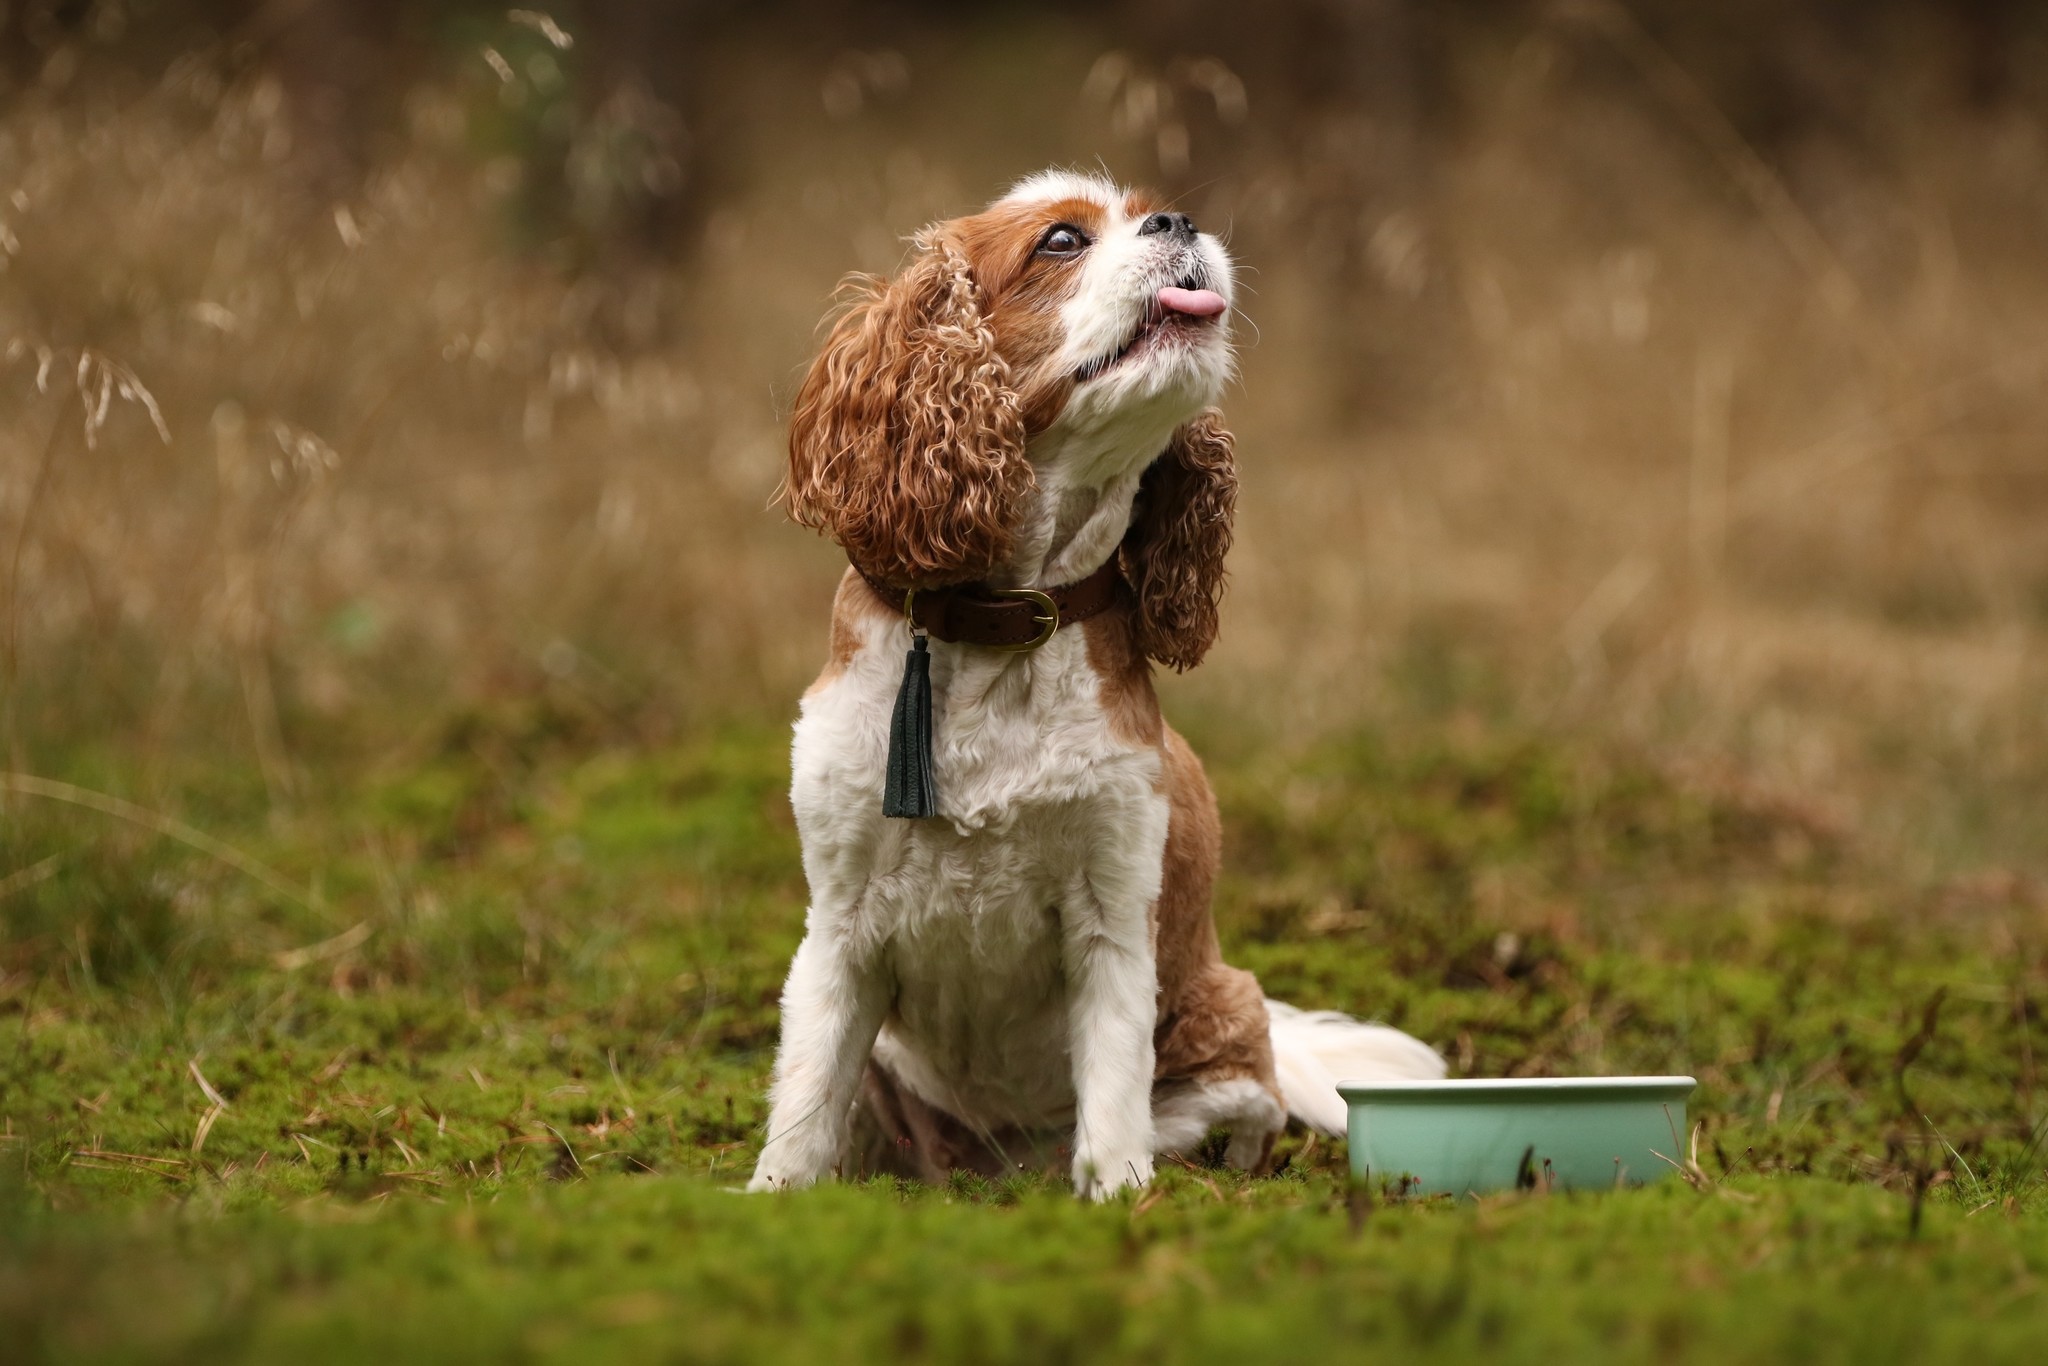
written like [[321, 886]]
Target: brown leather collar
[[1004, 618]]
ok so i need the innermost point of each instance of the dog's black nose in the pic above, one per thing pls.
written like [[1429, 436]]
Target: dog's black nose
[[1177, 223]]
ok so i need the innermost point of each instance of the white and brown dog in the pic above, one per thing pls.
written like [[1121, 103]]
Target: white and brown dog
[[1032, 968]]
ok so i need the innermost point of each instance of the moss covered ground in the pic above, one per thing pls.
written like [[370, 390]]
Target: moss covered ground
[[473, 1069]]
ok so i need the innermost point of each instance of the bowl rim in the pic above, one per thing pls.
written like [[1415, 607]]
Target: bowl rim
[[1478, 1087]]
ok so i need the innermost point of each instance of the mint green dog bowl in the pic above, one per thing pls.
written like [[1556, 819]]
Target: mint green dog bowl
[[1577, 1133]]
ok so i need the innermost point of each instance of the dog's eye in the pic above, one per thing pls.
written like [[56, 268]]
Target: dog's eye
[[1062, 239]]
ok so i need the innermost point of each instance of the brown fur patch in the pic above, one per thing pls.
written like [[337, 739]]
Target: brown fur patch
[[1026, 291], [1002, 242], [854, 603], [1123, 678], [1212, 1017]]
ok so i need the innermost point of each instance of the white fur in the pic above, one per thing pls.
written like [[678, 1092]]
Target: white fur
[[999, 958], [1314, 1050], [1183, 1117], [1060, 184]]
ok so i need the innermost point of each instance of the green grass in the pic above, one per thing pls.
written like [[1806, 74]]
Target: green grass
[[489, 1088]]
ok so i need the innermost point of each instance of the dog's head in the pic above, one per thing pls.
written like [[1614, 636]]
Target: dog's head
[[1071, 334]]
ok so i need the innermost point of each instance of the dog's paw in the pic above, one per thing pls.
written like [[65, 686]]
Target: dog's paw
[[1251, 1148], [1100, 1179], [766, 1180]]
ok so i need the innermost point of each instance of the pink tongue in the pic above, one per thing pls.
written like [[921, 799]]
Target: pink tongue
[[1202, 303]]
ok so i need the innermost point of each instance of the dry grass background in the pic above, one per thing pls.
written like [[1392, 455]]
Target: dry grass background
[[1572, 385]]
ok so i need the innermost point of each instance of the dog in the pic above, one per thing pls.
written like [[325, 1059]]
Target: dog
[[1015, 442]]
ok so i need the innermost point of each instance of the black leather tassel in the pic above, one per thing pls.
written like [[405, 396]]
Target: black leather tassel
[[907, 786]]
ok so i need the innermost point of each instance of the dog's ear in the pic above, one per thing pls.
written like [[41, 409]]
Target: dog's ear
[[907, 442], [1180, 532]]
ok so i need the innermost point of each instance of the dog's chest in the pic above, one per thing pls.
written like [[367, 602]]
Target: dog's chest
[[1044, 810], [975, 948]]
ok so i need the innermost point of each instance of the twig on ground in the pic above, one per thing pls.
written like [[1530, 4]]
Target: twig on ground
[[205, 1086], [334, 947]]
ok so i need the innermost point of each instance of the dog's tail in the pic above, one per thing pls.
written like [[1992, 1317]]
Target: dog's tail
[[1313, 1050]]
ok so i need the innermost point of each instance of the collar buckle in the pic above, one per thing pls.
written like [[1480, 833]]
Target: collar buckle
[[1047, 616]]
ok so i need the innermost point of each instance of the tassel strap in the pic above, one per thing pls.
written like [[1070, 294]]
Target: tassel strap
[[907, 786]]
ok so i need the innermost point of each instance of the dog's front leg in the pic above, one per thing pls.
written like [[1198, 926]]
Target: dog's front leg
[[832, 1007], [1113, 986]]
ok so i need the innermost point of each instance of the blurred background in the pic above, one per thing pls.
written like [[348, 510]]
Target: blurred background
[[1665, 372]]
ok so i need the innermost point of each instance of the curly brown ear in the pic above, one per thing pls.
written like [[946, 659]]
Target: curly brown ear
[[1180, 532], [907, 442]]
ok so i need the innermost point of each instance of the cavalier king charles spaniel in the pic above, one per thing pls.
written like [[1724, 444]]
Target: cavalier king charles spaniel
[[1014, 442]]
